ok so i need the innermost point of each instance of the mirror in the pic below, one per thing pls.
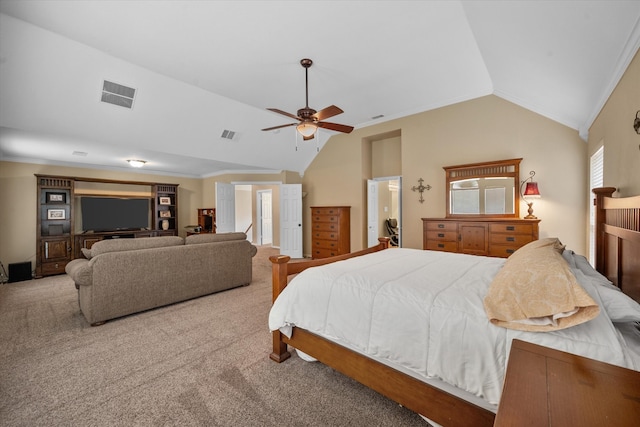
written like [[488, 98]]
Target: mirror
[[488, 189]]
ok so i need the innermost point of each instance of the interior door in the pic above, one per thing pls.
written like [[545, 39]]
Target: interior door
[[266, 220], [291, 220], [225, 208], [372, 213]]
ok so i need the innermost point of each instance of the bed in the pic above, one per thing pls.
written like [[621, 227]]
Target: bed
[[420, 383]]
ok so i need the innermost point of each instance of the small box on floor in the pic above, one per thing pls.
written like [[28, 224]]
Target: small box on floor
[[20, 271]]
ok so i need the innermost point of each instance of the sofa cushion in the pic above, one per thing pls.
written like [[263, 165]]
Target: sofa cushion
[[195, 239], [117, 245], [86, 252]]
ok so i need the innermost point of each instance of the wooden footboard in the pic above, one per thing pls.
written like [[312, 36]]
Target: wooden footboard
[[438, 405]]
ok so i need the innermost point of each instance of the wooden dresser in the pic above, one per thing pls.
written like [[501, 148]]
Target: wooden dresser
[[547, 387], [330, 231], [490, 237]]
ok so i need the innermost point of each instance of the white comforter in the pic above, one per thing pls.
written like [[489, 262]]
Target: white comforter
[[422, 311]]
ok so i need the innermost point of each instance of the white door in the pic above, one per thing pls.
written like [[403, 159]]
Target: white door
[[291, 220], [225, 208], [265, 218], [372, 212]]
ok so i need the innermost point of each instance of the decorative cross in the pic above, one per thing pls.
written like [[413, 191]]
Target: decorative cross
[[420, 188]]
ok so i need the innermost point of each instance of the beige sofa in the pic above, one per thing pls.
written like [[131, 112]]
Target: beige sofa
[[125, 276]]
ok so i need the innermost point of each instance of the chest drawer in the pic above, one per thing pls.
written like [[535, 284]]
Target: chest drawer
[[442, 226], [326, 235], [511, 228], [325, 226], [442, 235], [510, 239], [433, 245], [325, 211]]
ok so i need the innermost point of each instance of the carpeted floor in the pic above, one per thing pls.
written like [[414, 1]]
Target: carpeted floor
[[202, 362]]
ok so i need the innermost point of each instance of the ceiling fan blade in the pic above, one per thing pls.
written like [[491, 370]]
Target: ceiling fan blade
[[335, 126], [330, 111], [284, 113], [281, 126]]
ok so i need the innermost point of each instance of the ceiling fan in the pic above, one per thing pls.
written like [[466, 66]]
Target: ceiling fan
[[309, 120]]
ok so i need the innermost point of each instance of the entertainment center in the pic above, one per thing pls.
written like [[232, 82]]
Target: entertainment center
[[74, 213]]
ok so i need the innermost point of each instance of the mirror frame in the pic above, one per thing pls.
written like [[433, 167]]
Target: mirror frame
[[501, 168]]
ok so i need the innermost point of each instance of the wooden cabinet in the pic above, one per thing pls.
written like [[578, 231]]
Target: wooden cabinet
[[547, 387], [207, 220], [330, 231], [54, 243], [166, 208], [58, 241], [498, 237]]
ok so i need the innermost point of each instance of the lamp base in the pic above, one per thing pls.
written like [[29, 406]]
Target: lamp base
[[530, 212]]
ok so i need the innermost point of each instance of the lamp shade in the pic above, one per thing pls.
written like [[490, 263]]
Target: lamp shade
[[531, 191], [307, 129]]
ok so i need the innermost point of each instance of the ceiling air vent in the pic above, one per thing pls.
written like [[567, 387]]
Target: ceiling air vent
[[227, 134], [116, 94]]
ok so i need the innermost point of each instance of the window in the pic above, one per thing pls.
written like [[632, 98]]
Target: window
[[595, 181]]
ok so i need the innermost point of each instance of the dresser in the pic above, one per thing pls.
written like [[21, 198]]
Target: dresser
[[330, 231], [498, 237], [547, 387]]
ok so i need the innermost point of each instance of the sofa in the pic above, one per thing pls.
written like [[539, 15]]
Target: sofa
[[118, 277]]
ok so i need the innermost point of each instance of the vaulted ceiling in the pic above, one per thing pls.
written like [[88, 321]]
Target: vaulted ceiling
[[202, 67]]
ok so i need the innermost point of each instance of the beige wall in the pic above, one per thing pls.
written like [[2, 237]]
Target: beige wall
[[614, 128], [483, 129]]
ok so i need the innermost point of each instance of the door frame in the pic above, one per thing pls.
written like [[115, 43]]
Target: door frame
[[390, 178]]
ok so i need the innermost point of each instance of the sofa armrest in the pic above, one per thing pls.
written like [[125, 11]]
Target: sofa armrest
[[80, 271]]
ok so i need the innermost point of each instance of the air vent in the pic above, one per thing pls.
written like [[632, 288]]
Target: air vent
[[116, 94], [227, 134]]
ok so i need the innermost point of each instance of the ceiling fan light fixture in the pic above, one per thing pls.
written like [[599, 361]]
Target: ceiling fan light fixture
[[307, 129], [136, 163]]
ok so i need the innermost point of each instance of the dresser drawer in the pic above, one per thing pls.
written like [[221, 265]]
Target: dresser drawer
[[323, 253], [442, 235], [325, 211], [442, 226], [325, 226], [442, 246], [325, 244], [326, 235], [502, 251], [511, 228], [510, 239]]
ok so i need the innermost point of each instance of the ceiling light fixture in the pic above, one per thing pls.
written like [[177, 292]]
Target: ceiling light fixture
[[307, 129], [137, 163]]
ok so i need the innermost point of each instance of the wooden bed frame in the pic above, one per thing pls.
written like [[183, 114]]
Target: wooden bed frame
[[618, 258]]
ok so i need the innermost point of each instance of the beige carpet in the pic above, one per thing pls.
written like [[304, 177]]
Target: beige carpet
[[202, 362]]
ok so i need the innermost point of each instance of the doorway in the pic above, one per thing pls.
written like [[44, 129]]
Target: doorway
[[264, 217], [384, 210]]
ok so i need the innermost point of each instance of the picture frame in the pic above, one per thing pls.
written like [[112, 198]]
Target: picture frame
[[165, 214], [56, 197], [53, 214], [165, 200]]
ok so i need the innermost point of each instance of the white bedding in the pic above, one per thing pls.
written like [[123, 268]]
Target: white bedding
[[422, 311]]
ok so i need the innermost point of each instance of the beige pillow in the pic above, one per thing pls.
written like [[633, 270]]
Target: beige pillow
[[536, 290]]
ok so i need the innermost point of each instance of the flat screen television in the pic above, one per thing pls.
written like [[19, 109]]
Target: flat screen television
[[114, 213]]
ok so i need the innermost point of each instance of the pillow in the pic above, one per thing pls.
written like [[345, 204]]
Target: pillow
[[117, 245], [535, 290], [86, 252], [214, 237]]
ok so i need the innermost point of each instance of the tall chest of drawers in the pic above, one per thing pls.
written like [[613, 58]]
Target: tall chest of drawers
[[488, 237], [330, 231]]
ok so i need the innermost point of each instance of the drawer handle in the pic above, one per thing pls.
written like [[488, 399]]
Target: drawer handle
[[440, 225], [511, 239], [511, 227], [510, 251], [440, 234], [441, 245]]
